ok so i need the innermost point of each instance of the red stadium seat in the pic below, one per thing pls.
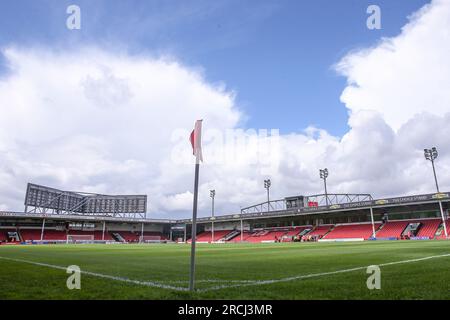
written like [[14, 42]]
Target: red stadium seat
[[352, 231], [392, 229]]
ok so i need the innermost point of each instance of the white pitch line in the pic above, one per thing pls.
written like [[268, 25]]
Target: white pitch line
[[104, 276], [244, 283], [211, 280], [262, 282]]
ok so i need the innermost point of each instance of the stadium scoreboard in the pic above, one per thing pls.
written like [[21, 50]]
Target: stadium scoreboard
[[46, 198]]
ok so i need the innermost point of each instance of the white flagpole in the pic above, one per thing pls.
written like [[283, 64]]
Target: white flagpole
[[198, 158], [194, 228]]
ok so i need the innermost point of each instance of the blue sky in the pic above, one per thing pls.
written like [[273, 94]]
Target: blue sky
[[277, 55], [105, 108]]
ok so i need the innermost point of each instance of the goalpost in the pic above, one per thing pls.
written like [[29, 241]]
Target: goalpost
[[148, 239], [80, 238]]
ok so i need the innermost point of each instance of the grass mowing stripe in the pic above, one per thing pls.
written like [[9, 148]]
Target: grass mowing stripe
[[171, 285], [100, 275], [262, 282]]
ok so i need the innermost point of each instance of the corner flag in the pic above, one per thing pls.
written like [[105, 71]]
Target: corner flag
[[196, 141]]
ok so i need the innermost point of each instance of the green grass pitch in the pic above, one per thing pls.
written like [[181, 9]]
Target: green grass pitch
[[229, 271]]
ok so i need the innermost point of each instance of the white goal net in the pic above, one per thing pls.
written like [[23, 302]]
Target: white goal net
[[150, 238], [78, 238]]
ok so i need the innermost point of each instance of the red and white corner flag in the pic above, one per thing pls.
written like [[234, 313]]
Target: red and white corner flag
[[196, 141]]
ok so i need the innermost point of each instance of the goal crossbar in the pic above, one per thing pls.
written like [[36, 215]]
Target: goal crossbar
[[80, 238]]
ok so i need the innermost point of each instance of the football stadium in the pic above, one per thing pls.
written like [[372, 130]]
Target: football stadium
[[300, 247], [108, 185]]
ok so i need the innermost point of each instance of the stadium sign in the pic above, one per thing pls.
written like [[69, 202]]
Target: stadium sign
[[440, 196], [336, 207], [44, 199]]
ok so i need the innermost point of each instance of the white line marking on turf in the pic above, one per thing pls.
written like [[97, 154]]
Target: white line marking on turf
[[244, 283], [211, 280], [104, 276], [262, 282]]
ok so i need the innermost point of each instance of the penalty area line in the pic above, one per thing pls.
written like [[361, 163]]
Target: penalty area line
[[100, 275], [315, 275], [239, 283]]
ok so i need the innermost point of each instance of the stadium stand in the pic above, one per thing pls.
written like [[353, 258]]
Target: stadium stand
[[442, 234], [428, 228], [266, 236], [288, 236], [12, 235], [392, 229], [231, 235], [245, 236], [204, 236], [319, 231], [54, 235], [129, 236], [3, 236], [30, 234], [98, 235], [155, 235], [351, 231], [207, 235], [82, 233]]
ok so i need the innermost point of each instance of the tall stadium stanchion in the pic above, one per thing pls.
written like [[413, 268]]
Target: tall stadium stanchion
[[267, 184], [212, 194], [443, 220], [324, 176], [373, 223], [242, 229], [103, 231], [142, 232], [42, 229], [432, 154]]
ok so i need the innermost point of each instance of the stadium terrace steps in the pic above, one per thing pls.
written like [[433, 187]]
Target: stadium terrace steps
[[296, 231], [392, 229], [320, 231], [245, 236], [351, 231], [233, 234], [3, 236], [395, 229], [442, 235], [155, 235], [30, 234], [129, 236], [266, 235], [54, 235], [428, 228], [206, 236]]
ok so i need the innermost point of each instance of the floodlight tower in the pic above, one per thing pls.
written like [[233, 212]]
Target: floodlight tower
[[267, 184], [432, 154], [324, 175], [212, 194]]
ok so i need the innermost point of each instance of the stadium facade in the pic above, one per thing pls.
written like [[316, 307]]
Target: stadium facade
[[56, 216]]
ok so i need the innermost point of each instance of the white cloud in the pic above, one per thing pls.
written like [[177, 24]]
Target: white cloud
[[106, 122], [406, 74], [87, 119]]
